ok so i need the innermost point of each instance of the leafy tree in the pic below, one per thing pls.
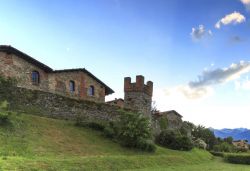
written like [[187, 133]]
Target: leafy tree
[[205, 134], [229, 140], [132, 130], [133, 127]]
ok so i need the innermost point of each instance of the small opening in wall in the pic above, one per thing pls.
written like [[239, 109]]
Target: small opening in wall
[[71, 86], [91, 91], [35, 77]]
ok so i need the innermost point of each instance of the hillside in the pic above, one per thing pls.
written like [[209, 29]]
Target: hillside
[[36, 143], [237, 133]]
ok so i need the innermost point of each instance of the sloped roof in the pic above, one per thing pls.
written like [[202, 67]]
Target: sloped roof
[[108, 90], [173, 111], [10, 49], [158, 113], [119, 99]]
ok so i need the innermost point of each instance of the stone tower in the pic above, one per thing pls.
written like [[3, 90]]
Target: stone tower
[[138, 96]]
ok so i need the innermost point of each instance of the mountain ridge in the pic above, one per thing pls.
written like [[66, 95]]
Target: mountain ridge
[[236, 133]]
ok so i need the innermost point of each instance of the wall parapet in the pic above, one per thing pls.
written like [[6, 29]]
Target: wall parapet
[[138, 86], [54, 105]]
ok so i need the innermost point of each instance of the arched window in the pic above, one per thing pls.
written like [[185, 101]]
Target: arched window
[[35, 77], [91, 91], [71, 86]]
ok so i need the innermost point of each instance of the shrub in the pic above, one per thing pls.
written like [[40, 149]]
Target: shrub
[[4, 114], [199, 143], [109, 132], [7, 82], [237, 149], [91, 124], [4, 105], [215, 153], [224, 147], [4, 117], [163, 122], [146, 145], [131, 130], [174, 140], [238, 158]]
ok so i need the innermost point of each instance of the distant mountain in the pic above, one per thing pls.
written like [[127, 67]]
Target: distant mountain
[[237, 133]]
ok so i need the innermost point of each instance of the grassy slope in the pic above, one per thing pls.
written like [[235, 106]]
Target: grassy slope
[[37, 143]]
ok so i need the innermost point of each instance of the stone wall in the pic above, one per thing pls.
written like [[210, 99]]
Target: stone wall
[[170, 120], [138, 101], [15, 67], [59, 83], [138, 96], [55, 106]]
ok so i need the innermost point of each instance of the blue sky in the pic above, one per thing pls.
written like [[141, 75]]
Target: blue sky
[[195, 51]]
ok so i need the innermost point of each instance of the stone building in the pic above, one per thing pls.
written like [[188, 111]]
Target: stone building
[[174, 119], [241, 145], [166, 120], [32, 74], [117, 102], [138, 96]]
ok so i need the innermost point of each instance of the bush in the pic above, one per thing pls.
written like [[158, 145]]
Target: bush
[[218, 154], [199, 143], [174, 140], [224, 147], [4, 114], [238, 158], [131, 130], [109, 132], [90, 124], [237, 149], [4, 105], [146, 145], [4, 117]]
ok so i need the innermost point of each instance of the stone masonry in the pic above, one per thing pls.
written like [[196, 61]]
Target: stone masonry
[[18, 65], [138, 96]]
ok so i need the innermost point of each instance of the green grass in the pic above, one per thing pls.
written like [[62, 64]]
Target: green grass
[[36, 143]]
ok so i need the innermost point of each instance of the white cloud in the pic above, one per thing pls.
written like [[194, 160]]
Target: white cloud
[[195, 93], [187, 92], [233, 18], [203, 87], [200, 32], [246, 3], [217, 76]]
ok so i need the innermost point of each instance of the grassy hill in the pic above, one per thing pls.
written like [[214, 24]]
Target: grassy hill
[[36, 143]]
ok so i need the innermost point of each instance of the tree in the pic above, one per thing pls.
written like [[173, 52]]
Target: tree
[[229, 140], [205, 134]]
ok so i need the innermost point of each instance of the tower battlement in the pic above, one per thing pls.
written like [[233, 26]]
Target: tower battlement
[[138, 86], [137, 95]]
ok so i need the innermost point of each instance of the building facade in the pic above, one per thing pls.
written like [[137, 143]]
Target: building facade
[[117, 102], [32, 74]]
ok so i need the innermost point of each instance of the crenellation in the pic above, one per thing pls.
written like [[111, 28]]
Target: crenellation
[[138, 96]]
